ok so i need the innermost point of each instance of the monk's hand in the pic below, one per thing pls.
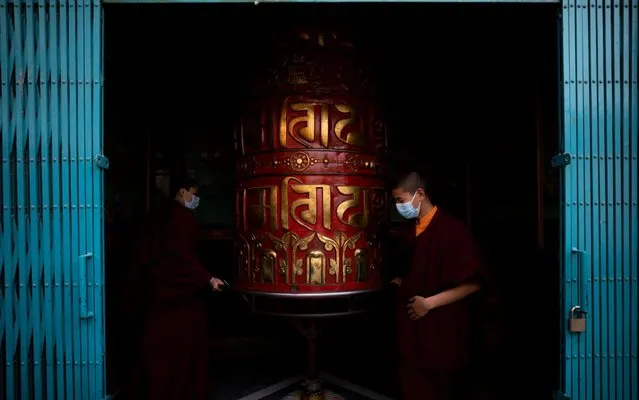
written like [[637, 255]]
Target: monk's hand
[[216, 284], [397, 281], [417, 307]]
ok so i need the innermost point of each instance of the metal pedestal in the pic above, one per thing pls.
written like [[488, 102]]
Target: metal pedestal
[[304, 311], [313, 385]]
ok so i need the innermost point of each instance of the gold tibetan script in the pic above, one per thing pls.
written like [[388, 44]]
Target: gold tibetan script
[[357, 220], [262, 205], [267, 200], [354, 137], [303, 128], [307, 218]]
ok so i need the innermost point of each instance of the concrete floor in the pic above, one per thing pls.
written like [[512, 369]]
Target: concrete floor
[[255, 378], [290, 389]]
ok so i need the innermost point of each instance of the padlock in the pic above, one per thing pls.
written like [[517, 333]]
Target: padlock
[[577, 322]]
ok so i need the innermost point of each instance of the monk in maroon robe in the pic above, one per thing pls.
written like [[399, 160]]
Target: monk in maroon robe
[[173, 352], [442, 274]]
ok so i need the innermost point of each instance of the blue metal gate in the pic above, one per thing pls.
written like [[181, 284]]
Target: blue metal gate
[[600, 55], [51, 261], [51, 226]]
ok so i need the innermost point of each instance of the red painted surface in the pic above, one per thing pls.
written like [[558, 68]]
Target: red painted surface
[[309, 197]]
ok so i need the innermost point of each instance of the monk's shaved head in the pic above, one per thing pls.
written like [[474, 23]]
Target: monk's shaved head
[[183, 183], [411, 188], [410, 183]]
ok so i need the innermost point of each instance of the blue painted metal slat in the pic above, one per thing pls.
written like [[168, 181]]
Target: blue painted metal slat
[[51, 220], [65, 177], [634, 177], [56, 161], [96, 293], [600, 53], [6, 100], [608, 133], [34, 202], [598, 176], [48, 315]]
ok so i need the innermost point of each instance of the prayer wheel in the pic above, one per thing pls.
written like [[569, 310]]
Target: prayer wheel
[[309, 197]]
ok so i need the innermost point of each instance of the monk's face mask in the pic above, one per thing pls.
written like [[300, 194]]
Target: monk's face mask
[[190, 199], [408, 210], [193, 203]]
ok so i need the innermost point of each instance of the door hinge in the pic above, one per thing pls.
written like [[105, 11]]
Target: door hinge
[[557, 395], [102, 161], [560, 160]]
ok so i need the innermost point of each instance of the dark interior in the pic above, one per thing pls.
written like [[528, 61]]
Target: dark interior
[[469, 91]]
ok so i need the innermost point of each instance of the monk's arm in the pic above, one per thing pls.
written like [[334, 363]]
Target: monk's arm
[[451, 295], [190, 272], [461, 268]]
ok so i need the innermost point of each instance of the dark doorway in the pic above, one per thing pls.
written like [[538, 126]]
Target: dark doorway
[[470, 91]]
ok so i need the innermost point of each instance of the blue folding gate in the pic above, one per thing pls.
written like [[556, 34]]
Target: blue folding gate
[[600, 56], [51, 225]]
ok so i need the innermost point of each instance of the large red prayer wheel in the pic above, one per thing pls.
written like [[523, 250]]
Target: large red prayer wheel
[[309, 195]]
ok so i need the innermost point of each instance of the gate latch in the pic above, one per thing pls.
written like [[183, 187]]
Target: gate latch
[[560, 160], [102, 161]]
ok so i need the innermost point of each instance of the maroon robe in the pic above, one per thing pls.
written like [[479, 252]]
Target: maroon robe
[[173, 352], [435, 350]]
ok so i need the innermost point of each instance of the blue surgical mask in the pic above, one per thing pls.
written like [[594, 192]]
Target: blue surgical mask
[[408, 210], [193, 203]]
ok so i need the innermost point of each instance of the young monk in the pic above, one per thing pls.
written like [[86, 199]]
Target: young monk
[[173, 359], [442, 272]]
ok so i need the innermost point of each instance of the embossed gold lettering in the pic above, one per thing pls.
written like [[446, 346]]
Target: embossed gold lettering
[[267, 200], [305, 132], [308, 217], [356, 219], [303, 128], [355, 137], [324, 126]]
